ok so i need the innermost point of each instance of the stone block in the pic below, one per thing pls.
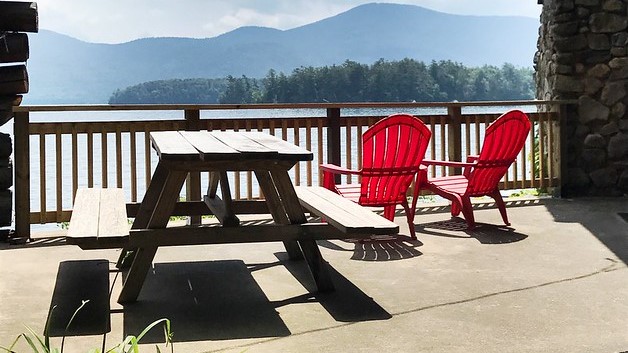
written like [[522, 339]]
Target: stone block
[[576, 179], [599, 71], [609, 129], [595, 141], [618, 146], [613, 6], [6, 145], [593, 158], [622, 183], [623, 125], [6, 177], [568, 84], [6, 208], [592, 85], [619, 39], [591, 110], [604, 178], [618, 110], [613, 92], [598, 41], [607, 23], [572, 43]]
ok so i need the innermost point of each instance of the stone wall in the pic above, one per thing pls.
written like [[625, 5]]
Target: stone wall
[[583, 55]]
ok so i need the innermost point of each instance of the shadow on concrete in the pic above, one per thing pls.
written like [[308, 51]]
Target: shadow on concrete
[[347, 303], [35, 242], [377, 248], [81, 285], [601, 216], [210, 300], [483, 232]]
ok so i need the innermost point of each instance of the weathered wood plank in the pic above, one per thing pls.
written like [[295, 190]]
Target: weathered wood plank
[[216, 234], [285, 149], [344, 214], [171, 145], [13, 79], [244, 144], [113, 219], [19, 16], [99, 219], [85, 214], [14, 48], [10, 100], [209, 146]]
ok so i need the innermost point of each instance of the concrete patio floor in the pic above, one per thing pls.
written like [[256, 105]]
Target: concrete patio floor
[[555, 281]]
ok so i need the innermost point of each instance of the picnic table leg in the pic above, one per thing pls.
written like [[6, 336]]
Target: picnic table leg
[[168, 195], [145, 212], [310, 249], [277, 210]]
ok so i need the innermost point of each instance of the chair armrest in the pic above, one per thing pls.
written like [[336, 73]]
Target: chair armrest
[[329, 172], [334, 169]]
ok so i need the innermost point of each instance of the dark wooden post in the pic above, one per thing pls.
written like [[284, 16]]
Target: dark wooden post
[[22, 175], [454, 138], [333, 138], [16, 17], [193, 181]]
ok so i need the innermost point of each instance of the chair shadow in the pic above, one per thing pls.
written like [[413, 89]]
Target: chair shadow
[[483, 232], [378, 248]]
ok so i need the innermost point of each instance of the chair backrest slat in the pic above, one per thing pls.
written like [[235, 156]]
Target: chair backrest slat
[[503, 141], [393, 150]]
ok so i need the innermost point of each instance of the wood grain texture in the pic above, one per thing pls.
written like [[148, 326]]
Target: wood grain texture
[[344, 214]]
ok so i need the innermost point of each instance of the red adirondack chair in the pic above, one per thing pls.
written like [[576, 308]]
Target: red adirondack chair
[[392, 151], [503, 141]]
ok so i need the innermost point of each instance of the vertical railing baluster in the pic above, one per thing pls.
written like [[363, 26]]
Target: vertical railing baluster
[[59, 173], [454, 136], [118, 157], [90, 157], [333, 138], [75, 164], [104, 158], [42, 178], [133, 162]]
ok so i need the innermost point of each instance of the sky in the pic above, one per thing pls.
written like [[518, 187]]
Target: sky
[[117, 21]]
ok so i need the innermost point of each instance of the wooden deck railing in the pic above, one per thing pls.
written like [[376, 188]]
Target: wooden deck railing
[[54, 158]]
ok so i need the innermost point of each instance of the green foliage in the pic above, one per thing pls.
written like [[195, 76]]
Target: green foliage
[[406, 80], [39, 344], [188, 91]]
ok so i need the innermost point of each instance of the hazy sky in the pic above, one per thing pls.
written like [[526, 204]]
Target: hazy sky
[[116, 21]]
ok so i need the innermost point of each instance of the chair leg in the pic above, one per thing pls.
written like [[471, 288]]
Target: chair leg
[[455, 208], [467, 211], [389, 212], [410, 217], [497, 196]]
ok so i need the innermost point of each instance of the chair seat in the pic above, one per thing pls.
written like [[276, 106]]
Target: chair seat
[[456, 184]]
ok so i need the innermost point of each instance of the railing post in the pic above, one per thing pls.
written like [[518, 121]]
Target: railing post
[[333, 138], [22, 175], [454, 138], [193, 181]]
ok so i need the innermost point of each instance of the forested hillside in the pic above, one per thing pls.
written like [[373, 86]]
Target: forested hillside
[[66, 70], [384, 81]]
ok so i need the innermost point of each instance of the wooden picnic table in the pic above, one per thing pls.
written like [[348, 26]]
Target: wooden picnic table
[[218, 152]]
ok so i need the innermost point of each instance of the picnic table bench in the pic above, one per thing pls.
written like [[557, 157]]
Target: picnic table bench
[[99, 218]]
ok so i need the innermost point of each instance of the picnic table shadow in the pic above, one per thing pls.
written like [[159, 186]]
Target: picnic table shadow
[[220, 300]]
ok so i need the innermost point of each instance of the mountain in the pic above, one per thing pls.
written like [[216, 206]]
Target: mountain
[[66, 70]]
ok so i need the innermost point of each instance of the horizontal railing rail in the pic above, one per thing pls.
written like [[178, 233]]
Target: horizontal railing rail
[[98, 148]]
